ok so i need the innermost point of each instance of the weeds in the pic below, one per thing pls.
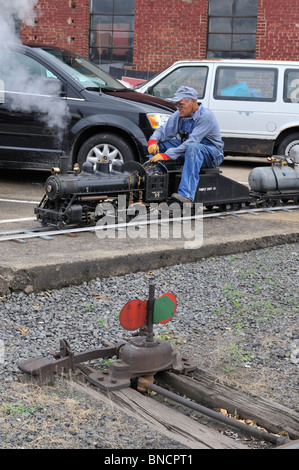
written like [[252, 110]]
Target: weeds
[[102, 322], [238, 354], [19, 407]]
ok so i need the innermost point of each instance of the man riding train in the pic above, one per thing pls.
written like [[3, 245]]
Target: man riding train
[[191, 135]]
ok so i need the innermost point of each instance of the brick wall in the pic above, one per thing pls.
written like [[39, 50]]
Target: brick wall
[[166, 31], [278, 30], [63, 23]]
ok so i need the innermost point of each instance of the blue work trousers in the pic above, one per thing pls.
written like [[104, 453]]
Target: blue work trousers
[[197, 156]]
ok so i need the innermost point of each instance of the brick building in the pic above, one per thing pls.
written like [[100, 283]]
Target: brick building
[[149, 35]]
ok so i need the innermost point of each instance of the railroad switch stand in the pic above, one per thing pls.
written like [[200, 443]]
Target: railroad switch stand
[[142, 356]]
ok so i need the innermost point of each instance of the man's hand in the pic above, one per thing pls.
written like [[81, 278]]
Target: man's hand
[[153, 147], [159, 156]]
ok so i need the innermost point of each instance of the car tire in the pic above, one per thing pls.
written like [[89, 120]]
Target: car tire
[[105, 147], [288, 143]]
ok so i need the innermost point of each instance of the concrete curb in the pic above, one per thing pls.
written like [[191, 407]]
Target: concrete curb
[[65, 273]]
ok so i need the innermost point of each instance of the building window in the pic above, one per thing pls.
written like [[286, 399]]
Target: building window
[[232, 29], [17, 27], [112, 31]]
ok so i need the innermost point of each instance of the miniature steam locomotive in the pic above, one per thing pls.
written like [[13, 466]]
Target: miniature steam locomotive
[[72, 198]]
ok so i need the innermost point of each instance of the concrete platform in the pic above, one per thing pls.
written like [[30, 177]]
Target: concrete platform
[[65, 260]]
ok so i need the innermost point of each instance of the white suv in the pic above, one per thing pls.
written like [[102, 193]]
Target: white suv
[[255, 102]]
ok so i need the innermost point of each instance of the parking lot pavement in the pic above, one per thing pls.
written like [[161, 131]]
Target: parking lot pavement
[[41, 264], [20, 192]]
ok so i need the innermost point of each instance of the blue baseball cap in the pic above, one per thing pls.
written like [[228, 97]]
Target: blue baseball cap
[[185, 92]]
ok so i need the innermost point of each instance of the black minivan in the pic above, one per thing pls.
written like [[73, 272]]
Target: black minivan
[[54, 102]]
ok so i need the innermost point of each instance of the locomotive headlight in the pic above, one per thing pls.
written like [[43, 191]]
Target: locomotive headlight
[[156, 119]]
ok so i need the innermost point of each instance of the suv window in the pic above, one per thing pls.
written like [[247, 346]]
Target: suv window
[[84, 72], [29, 87], [194, 77], [291, 86], [246, 83], [21, 72]]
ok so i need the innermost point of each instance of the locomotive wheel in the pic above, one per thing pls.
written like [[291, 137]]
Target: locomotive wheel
[[261, 203], [288, 143], [105, 147], [274, 202]]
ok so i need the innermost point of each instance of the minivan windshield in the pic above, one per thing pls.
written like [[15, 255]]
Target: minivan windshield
[[83, 71]]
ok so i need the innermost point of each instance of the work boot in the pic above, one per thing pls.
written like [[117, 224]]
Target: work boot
[[182, 199]]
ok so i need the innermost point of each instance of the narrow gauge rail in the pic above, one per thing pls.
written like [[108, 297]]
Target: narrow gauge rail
[[185, 405], [47, 233]]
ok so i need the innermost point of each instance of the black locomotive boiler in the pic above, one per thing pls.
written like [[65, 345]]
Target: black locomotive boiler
[[71, 198]]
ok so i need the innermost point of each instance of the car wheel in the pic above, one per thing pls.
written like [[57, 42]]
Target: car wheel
[[287, 144], [105, 147]]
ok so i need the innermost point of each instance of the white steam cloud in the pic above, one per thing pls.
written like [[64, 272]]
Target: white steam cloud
[[12, 11], [27, 92]]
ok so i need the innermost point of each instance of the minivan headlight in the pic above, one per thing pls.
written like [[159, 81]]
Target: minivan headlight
[[157, 119]]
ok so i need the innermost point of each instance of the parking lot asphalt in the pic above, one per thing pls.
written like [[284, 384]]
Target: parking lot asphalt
[[36, 264]]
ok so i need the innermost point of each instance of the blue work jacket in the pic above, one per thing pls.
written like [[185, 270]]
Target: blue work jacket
[[203, 126]]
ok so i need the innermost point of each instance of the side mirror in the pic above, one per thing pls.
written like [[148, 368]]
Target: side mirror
[[2, 92]]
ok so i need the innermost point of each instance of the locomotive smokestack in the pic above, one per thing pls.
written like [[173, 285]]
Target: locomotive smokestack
[[64, 159]]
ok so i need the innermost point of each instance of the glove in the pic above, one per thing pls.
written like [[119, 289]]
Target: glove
[[159, 156], [152, 147]]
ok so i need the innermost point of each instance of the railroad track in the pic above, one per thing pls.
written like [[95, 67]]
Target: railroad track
[[48, 233], [135, 364], [168, 411]]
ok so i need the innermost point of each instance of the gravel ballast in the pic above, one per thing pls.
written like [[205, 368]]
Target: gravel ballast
[[237, 317]]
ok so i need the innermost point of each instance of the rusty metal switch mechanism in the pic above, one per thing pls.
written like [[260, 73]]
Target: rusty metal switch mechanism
[[141, 356]]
